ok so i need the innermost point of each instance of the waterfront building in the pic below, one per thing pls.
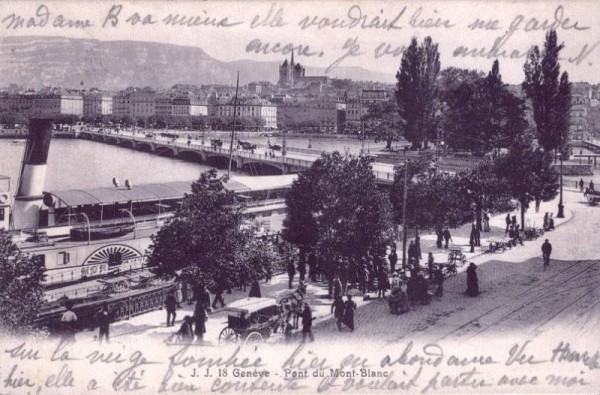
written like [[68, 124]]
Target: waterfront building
[[325, 114], [54, 103], [96, 103], [578, 124], [121, 104], [142, 103], [355, 110], [373, 95], [252, 107], [162, 105]]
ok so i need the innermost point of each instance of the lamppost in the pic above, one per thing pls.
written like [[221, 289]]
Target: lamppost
[[404, 199], [561, 206]]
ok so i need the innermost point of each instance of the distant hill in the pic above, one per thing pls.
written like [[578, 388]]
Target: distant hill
[[35, 61]]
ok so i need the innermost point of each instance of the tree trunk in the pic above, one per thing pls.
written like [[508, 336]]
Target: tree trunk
[[523, 216], [478, 210], [388, 144]]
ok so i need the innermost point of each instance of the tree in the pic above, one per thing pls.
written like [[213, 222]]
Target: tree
[[21, 290], [336, 208], [527, 174], [208, 239], [433, 200], [383, 122], [548, 93], [416, 91], [483, 115]]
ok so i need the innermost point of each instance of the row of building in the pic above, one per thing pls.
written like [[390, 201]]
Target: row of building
[[322, 112]]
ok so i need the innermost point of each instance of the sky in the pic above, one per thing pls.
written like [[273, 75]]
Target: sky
[[369, 34]]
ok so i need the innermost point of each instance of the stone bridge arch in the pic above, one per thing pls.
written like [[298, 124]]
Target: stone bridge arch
[[111, 140], [221, 162], [192, 156], [262, 169], [164, 151], [127, 144], [145, 147]]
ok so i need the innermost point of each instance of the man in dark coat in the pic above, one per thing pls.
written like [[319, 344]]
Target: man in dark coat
[[291, 270], [508, 222], [104, 318], [349, 309], [171, 305], [447, 237], [412, 250], [546, 251], [440, 237], [337, 309], [393, 258], [218, 296], [439, 280], [472, 281], [581, 183], [307, 323]]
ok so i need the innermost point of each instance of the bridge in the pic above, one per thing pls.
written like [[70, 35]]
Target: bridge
[[261, 160]]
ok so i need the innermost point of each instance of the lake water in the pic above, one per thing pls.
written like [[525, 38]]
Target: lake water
[[75, 163]]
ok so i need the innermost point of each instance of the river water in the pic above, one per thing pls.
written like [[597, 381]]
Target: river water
[[75, 163]]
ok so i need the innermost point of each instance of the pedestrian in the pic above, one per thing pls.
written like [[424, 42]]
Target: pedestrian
[[393, 258], [382, 282], [291, 270], [218, 296], [349, 309], [363, 277], [404, 304], [254, 290], [430, 266], [307, 319], [337, 287], [447, 237], [337, 309], [204, 297], [477, 236], [344, 274], [546, 252], [472, 241], [171, 305], [200, 318], [581, 183], [418, 248], [104, 318], [178, 295], [513, 221], [472, 282], [486, 222], [439, 280], [591, 185], [440, 237], [268, 274], [69, 321], [302, 270], [412, 250], [546, 226], [190, 294], [186, 335], [508, 222]]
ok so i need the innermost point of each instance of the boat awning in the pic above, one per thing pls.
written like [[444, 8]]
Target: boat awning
[[109, 196], [158, 192]]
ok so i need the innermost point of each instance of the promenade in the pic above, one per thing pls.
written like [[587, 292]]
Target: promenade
[[513, 286]]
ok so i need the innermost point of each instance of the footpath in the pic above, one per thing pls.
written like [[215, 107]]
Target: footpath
[[152, 325]]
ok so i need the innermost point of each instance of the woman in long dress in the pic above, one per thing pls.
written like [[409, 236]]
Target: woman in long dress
[[472, 281]]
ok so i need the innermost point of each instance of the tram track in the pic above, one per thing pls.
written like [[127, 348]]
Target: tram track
[[543, 286]]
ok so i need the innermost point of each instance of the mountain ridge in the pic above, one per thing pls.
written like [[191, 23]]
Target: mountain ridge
[[38, 61]]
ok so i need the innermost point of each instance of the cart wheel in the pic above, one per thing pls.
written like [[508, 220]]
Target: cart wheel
[[228, 335], [253, 338]]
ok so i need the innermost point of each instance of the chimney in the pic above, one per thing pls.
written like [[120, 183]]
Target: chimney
[[33, 174]]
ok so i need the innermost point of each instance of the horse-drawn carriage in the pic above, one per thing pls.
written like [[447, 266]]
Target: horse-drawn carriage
[[251, 320], [246, 145], [216, 143], [593, 197]]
